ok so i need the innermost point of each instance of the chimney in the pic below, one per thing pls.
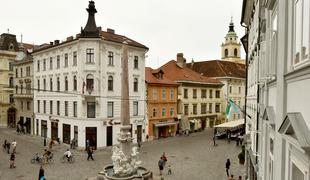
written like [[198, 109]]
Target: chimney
[[110, 31], [181, 61], [51, 43], [99, 28], [70, 38], [56, 42]]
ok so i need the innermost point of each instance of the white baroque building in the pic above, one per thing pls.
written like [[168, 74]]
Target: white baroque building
[[277, 103], [78, 90]]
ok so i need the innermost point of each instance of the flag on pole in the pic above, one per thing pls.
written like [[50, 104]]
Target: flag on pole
[[228, 109]]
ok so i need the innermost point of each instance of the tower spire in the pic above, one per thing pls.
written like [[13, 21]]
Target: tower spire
[[90, 30], [231, 25]]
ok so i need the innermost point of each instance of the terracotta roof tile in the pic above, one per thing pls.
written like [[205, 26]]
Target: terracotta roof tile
[[152, 79], [176, 73], [218, 68]]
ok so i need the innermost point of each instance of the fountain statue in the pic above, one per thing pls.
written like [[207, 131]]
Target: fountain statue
[[126, 165]]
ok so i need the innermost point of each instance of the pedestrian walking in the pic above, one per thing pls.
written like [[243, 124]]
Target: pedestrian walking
[[4, 145], [12, 160], [161, 164], [41, 173], [164, 158], [228, 136], [237, 140], [8, 147], [214, 143], [169, 170], [227, 167], [50, 146], [14, 144], [90, 153], [239, 178]]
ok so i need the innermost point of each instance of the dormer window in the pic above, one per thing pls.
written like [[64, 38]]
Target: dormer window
[[161, 76]]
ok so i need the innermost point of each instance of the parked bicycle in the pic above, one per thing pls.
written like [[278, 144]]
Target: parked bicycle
[[36, 159]]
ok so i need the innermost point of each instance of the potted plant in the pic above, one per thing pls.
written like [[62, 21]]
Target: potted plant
[[241, 155]]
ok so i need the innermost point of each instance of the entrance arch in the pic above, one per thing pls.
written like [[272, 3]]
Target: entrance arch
[[12, 117]]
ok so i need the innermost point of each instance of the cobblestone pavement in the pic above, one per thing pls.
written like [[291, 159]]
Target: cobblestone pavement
[[192, 158]]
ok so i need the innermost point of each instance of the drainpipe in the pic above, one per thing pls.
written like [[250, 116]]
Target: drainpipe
[[245, 95]]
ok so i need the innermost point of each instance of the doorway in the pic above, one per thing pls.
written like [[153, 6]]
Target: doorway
[[91, 136], [54, 132], [66, 133], [76, 134], [109, 135], [139, 133], [43, 128], [11, 117]]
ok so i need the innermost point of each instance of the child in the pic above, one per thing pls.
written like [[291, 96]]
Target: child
[[169, 170]]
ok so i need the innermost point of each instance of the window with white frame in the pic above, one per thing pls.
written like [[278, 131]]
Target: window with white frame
[[44, 65], [154, 94], [74, 63], [135, 85], [90, 56], [74, 108], [38, 66], [171, 94], [110, 109], [163, 94], [171, 112], [66, 60], [163, 112], [51, 63], [58, 62], [301, 31], [74, 83], [154, 112], [111, 58], [135, 108], [51, 84], [110, 83], [91, 109], [136, 62], [274, 41], [58, 84], [66, 108]]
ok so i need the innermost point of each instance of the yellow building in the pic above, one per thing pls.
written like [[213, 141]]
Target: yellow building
[[8, 53], [231, 48]]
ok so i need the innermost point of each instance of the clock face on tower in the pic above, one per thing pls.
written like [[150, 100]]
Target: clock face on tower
[[20, 56]]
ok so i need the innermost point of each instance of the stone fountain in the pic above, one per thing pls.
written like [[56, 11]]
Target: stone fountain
[[126, 165]]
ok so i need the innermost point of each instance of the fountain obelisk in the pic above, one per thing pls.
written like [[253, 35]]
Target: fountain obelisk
[[125, 136]]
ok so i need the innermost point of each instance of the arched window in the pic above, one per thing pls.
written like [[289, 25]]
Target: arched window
[[110, 83], [135, 85], [89, 82], [226, 52], [66, 83], [235, 52], [74, 83]]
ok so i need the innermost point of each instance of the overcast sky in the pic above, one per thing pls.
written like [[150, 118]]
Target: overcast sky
[[194, 27]]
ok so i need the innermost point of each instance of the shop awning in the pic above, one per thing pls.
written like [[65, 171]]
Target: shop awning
[[231, 124], [165, 124]]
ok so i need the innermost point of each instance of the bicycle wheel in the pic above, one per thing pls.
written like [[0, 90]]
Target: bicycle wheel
[[63, 159], [72, 159], [32, 161]]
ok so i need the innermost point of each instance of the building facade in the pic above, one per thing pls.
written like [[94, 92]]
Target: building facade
[[78, 92], [199, 97], [8, 52], [23, 91], [162, 96], [232, 75], [278, 120]]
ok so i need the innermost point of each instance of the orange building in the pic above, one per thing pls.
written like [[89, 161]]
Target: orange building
[[161, 104]]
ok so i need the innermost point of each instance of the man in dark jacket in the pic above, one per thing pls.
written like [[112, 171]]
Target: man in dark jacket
[[90, 153]]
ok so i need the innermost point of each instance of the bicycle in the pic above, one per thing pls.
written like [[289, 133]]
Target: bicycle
[[36, 159], [64, 159], [49, 158]]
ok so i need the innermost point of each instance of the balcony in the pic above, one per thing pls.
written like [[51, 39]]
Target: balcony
[[23, 96]]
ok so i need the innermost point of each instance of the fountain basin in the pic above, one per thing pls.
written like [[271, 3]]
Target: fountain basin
[[108, 174]]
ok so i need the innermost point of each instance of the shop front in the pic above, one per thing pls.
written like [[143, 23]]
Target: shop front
[[165, 129]]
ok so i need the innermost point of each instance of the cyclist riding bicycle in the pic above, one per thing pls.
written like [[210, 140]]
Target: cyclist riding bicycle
[[47, 154], [68, 154]]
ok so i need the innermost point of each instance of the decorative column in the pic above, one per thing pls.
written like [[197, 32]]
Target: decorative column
[[125, 134]]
